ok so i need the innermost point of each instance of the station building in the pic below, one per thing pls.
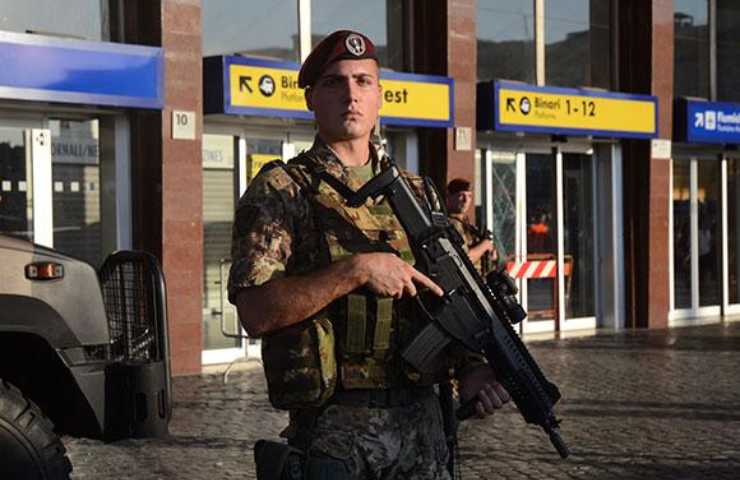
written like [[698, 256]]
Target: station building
[[600, 135]]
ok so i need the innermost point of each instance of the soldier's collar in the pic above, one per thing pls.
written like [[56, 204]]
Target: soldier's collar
[[329, 160]]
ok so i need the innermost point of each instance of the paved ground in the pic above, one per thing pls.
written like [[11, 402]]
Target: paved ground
[[647, 405]]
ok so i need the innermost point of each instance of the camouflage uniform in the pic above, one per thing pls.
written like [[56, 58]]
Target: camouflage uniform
[[390, 443], [281, 230], [470, 238]]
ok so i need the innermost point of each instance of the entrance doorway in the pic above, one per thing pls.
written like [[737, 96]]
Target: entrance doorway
[[232, 157], [731, 273], [696, 217], [540, 203]]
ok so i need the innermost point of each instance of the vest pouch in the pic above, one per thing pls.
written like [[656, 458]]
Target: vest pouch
[[300, 365]]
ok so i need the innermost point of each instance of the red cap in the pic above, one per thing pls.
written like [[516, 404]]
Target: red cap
[[458, 185], [340, 45]]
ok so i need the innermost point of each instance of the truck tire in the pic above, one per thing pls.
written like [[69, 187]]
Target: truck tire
[[30, 448]]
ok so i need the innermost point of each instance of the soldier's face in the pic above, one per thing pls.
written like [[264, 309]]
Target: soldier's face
[[460, 202], [346, 100]]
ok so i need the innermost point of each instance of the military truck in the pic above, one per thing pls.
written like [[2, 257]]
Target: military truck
[[82, 353]]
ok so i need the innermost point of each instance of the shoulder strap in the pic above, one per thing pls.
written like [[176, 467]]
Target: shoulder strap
[[317, 173], [305, 183]]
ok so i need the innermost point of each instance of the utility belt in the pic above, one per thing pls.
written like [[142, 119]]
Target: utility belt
[[383, 398]]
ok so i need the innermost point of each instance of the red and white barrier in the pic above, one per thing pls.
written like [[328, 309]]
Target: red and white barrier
[[533, 269]]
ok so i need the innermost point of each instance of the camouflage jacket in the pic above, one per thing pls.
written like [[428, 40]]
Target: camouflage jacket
[[281, 229]]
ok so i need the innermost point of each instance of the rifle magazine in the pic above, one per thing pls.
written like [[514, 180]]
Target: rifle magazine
[[425, 347]]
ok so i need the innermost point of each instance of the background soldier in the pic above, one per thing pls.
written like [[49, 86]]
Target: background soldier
[[480, 247], [330, 290]]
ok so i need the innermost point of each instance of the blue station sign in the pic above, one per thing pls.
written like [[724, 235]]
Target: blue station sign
[[50, 69], [700, 121]]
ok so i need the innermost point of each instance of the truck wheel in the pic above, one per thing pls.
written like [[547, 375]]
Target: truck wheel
[[30, 448]]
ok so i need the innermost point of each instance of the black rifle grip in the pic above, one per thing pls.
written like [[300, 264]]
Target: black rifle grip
[[467, 409]]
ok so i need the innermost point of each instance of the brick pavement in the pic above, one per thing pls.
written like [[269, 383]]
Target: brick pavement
[[647, 405]]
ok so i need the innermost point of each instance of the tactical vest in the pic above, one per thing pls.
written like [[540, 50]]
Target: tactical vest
[[355, 342]]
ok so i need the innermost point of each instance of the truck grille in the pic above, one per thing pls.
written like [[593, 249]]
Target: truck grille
[[133, 292]]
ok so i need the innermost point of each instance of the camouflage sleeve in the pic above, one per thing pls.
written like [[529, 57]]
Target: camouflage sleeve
[[264, 230], [461, 230]]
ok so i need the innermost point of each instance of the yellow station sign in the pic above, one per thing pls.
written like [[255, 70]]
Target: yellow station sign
[[574, 111], [260, 87], [263, 87]]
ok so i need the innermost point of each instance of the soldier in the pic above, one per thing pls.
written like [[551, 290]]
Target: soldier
[[330, 290], [480, 247]]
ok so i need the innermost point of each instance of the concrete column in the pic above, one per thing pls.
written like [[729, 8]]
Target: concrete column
[[445, 44], [646, 66], [167, 187]]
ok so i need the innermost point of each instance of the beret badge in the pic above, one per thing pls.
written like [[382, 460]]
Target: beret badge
[[355, 45]]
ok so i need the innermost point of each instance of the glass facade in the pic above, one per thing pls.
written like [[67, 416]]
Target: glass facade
[[578, 235], [504, 204], [76, 189], [728, 46], [506, 46], [16, 206], [710, 245], [218, 216], [381, 21], [577, 43], [682, 278], [691, 48], [541, 232], [733, 229], [45, 17], [236, 26]]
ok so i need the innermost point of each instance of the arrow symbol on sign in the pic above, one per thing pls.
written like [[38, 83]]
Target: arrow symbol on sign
[[510, 104], [244, 83], [698, 120]]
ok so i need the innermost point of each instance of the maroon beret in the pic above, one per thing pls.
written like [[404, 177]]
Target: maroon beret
[[458, 185], [340, 45]]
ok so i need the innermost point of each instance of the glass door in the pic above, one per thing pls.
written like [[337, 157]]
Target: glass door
[[232, 157], [579, 239], [708, 197], [540, 248], [696, 216], [220, 180], [732, 228], [540, 205], [25, 181], [682, 235]]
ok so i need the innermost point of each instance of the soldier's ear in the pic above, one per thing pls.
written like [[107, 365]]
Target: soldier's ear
[[307, 93]]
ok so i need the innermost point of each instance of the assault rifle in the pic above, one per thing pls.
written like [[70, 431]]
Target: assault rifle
[[477, 313]]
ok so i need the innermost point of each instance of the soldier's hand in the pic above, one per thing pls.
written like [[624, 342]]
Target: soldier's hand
[[387, 275], [480, 383], [486, 245]]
